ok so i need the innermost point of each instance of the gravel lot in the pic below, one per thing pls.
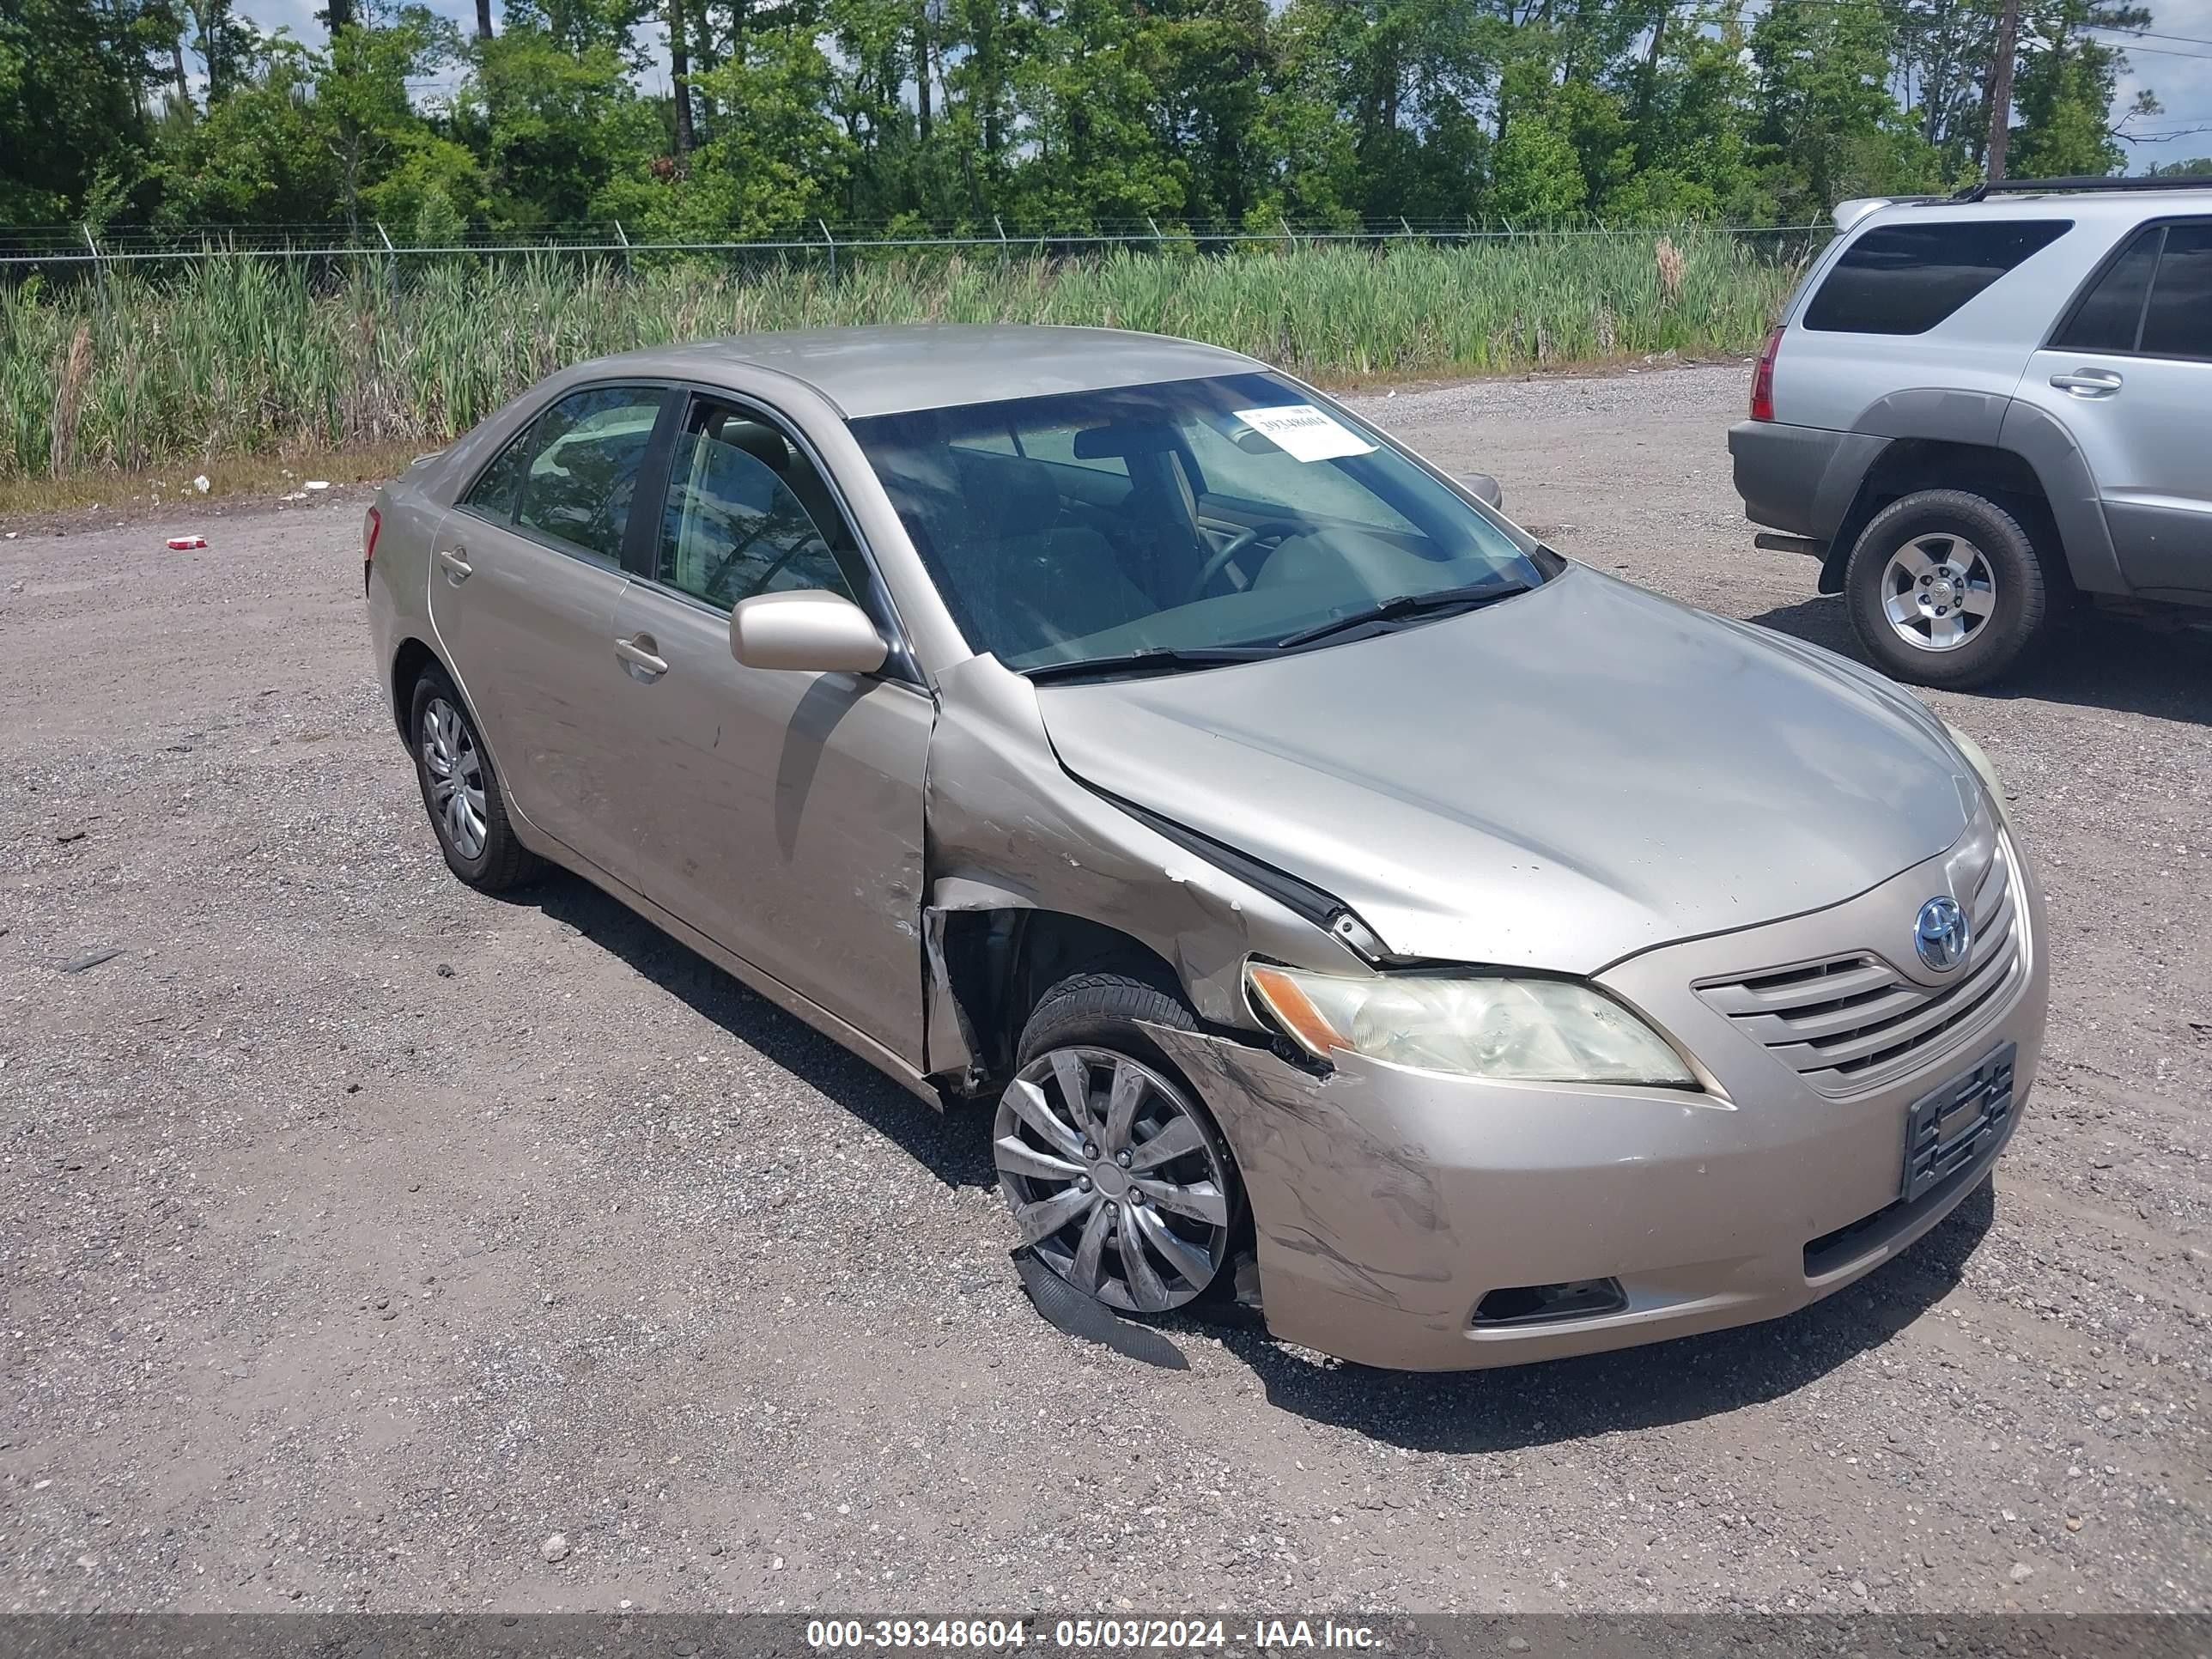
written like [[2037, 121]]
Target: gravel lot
[[360, 1232]]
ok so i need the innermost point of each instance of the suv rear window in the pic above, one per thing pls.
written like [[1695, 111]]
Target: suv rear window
[[1905, 279]]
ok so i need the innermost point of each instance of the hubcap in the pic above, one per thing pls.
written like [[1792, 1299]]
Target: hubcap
[[456, 774], [1117, 1183], [1938, 592]]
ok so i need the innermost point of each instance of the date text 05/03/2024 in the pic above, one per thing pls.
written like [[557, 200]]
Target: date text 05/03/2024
[[1077, 1635]]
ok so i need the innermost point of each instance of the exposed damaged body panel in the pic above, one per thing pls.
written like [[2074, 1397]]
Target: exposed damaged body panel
[[1010, 831]]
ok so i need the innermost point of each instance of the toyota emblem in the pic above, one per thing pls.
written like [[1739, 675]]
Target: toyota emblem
[[1942, 933]]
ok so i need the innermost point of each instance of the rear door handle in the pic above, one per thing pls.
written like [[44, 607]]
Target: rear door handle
[[640, 652], [457, 569], [2087, 383]]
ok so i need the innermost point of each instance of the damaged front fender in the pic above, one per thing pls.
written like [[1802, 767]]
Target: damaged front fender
[[1009, 830]]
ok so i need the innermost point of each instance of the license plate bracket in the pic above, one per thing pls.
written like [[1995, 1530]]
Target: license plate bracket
[[1948, 1129]]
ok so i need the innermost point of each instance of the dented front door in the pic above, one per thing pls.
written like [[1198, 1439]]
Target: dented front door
[[780, 813]]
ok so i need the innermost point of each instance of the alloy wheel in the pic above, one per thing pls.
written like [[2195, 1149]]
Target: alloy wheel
[[1938, 592], [1116, 1182], [455, 767]]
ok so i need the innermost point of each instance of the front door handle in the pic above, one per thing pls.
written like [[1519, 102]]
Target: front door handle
[[2087, 383], [640, 652], [457, 568]]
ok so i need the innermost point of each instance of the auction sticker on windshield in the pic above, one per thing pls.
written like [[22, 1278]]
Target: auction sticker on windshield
[[1306, 433]]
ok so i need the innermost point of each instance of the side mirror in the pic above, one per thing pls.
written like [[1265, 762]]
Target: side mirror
[[810, 630], [1484, 487]]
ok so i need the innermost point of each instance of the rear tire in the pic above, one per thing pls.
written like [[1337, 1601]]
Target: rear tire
[[1944, 588], [1130, 1195], [461, 790]]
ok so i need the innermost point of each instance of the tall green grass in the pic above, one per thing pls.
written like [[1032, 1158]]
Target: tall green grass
[[242, 355]]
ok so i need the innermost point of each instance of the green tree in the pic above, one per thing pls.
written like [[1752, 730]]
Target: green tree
[[1042, 115], [1086, 103], [776, 160], [361, 96], [74, 79], [2064, 89], [1830, 125], [555, 118], [1693, 147]]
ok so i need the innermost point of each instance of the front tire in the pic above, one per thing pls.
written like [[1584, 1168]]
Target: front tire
[[1118, 1179], [1944, 588], [461, 791]]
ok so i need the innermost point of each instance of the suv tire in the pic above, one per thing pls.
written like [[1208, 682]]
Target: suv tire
[[1945, 589]]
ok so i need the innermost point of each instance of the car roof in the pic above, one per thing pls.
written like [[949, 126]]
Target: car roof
[[894, 369], [2109, 208]]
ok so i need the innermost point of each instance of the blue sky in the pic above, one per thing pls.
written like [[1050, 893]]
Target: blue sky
[[2178, 69]]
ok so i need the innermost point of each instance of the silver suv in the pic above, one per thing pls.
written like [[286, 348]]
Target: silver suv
[[1979, 410]]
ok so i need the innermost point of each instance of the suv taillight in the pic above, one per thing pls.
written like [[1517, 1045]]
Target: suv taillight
[[1762, 379], [369, 525]]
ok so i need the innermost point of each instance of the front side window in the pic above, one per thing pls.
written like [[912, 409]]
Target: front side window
[[737, 522], [1177, 518], [1906, 278], [570, 477]]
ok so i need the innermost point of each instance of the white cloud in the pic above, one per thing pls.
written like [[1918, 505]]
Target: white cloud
[[2184, 84]]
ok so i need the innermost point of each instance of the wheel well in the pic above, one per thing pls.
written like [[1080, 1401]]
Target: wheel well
[[999, 964], [407, 665], [1910, 465]]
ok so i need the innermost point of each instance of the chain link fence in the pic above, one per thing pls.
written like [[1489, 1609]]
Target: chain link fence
[[63, 249]]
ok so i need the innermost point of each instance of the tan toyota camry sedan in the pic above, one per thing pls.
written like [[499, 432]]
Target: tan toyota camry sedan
[[1306, 861]]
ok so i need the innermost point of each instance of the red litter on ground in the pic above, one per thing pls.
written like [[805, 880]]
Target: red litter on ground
[[185, 543]]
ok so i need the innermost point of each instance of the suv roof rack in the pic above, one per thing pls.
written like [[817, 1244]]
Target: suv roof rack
[[2011, 186]]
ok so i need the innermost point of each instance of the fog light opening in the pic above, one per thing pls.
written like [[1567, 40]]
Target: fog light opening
[[1536, 1304]]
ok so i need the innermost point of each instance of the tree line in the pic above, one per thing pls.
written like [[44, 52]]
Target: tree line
[[1034, 116]]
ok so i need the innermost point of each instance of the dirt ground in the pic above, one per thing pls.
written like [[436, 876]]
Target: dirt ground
[[360, 1232]]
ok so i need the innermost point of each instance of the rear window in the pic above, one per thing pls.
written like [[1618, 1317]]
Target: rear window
[[1906, 278]]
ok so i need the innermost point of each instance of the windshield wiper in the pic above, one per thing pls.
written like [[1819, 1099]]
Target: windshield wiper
[[1153, 658], [1407, 604]]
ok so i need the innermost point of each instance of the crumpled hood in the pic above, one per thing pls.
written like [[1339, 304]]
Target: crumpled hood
[[1558, 781]]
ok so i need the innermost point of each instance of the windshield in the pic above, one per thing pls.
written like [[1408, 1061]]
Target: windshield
[[1174, 518]]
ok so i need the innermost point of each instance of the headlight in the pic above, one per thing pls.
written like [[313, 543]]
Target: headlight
[[1975, 758], [1528, 1031]]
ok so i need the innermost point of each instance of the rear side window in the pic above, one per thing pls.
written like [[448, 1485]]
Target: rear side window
[[2178, 322], [570, 476], [493, 493], [1906, 278], [2111, 318], [2155, 300]]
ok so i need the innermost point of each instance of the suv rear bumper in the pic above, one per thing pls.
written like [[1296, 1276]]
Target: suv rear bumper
[[1778, 470], [1802, 480]]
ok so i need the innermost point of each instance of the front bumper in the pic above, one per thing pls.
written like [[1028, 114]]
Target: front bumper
[[1389, 1203]]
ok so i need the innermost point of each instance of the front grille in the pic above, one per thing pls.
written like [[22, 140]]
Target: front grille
[[1854, 1022]]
